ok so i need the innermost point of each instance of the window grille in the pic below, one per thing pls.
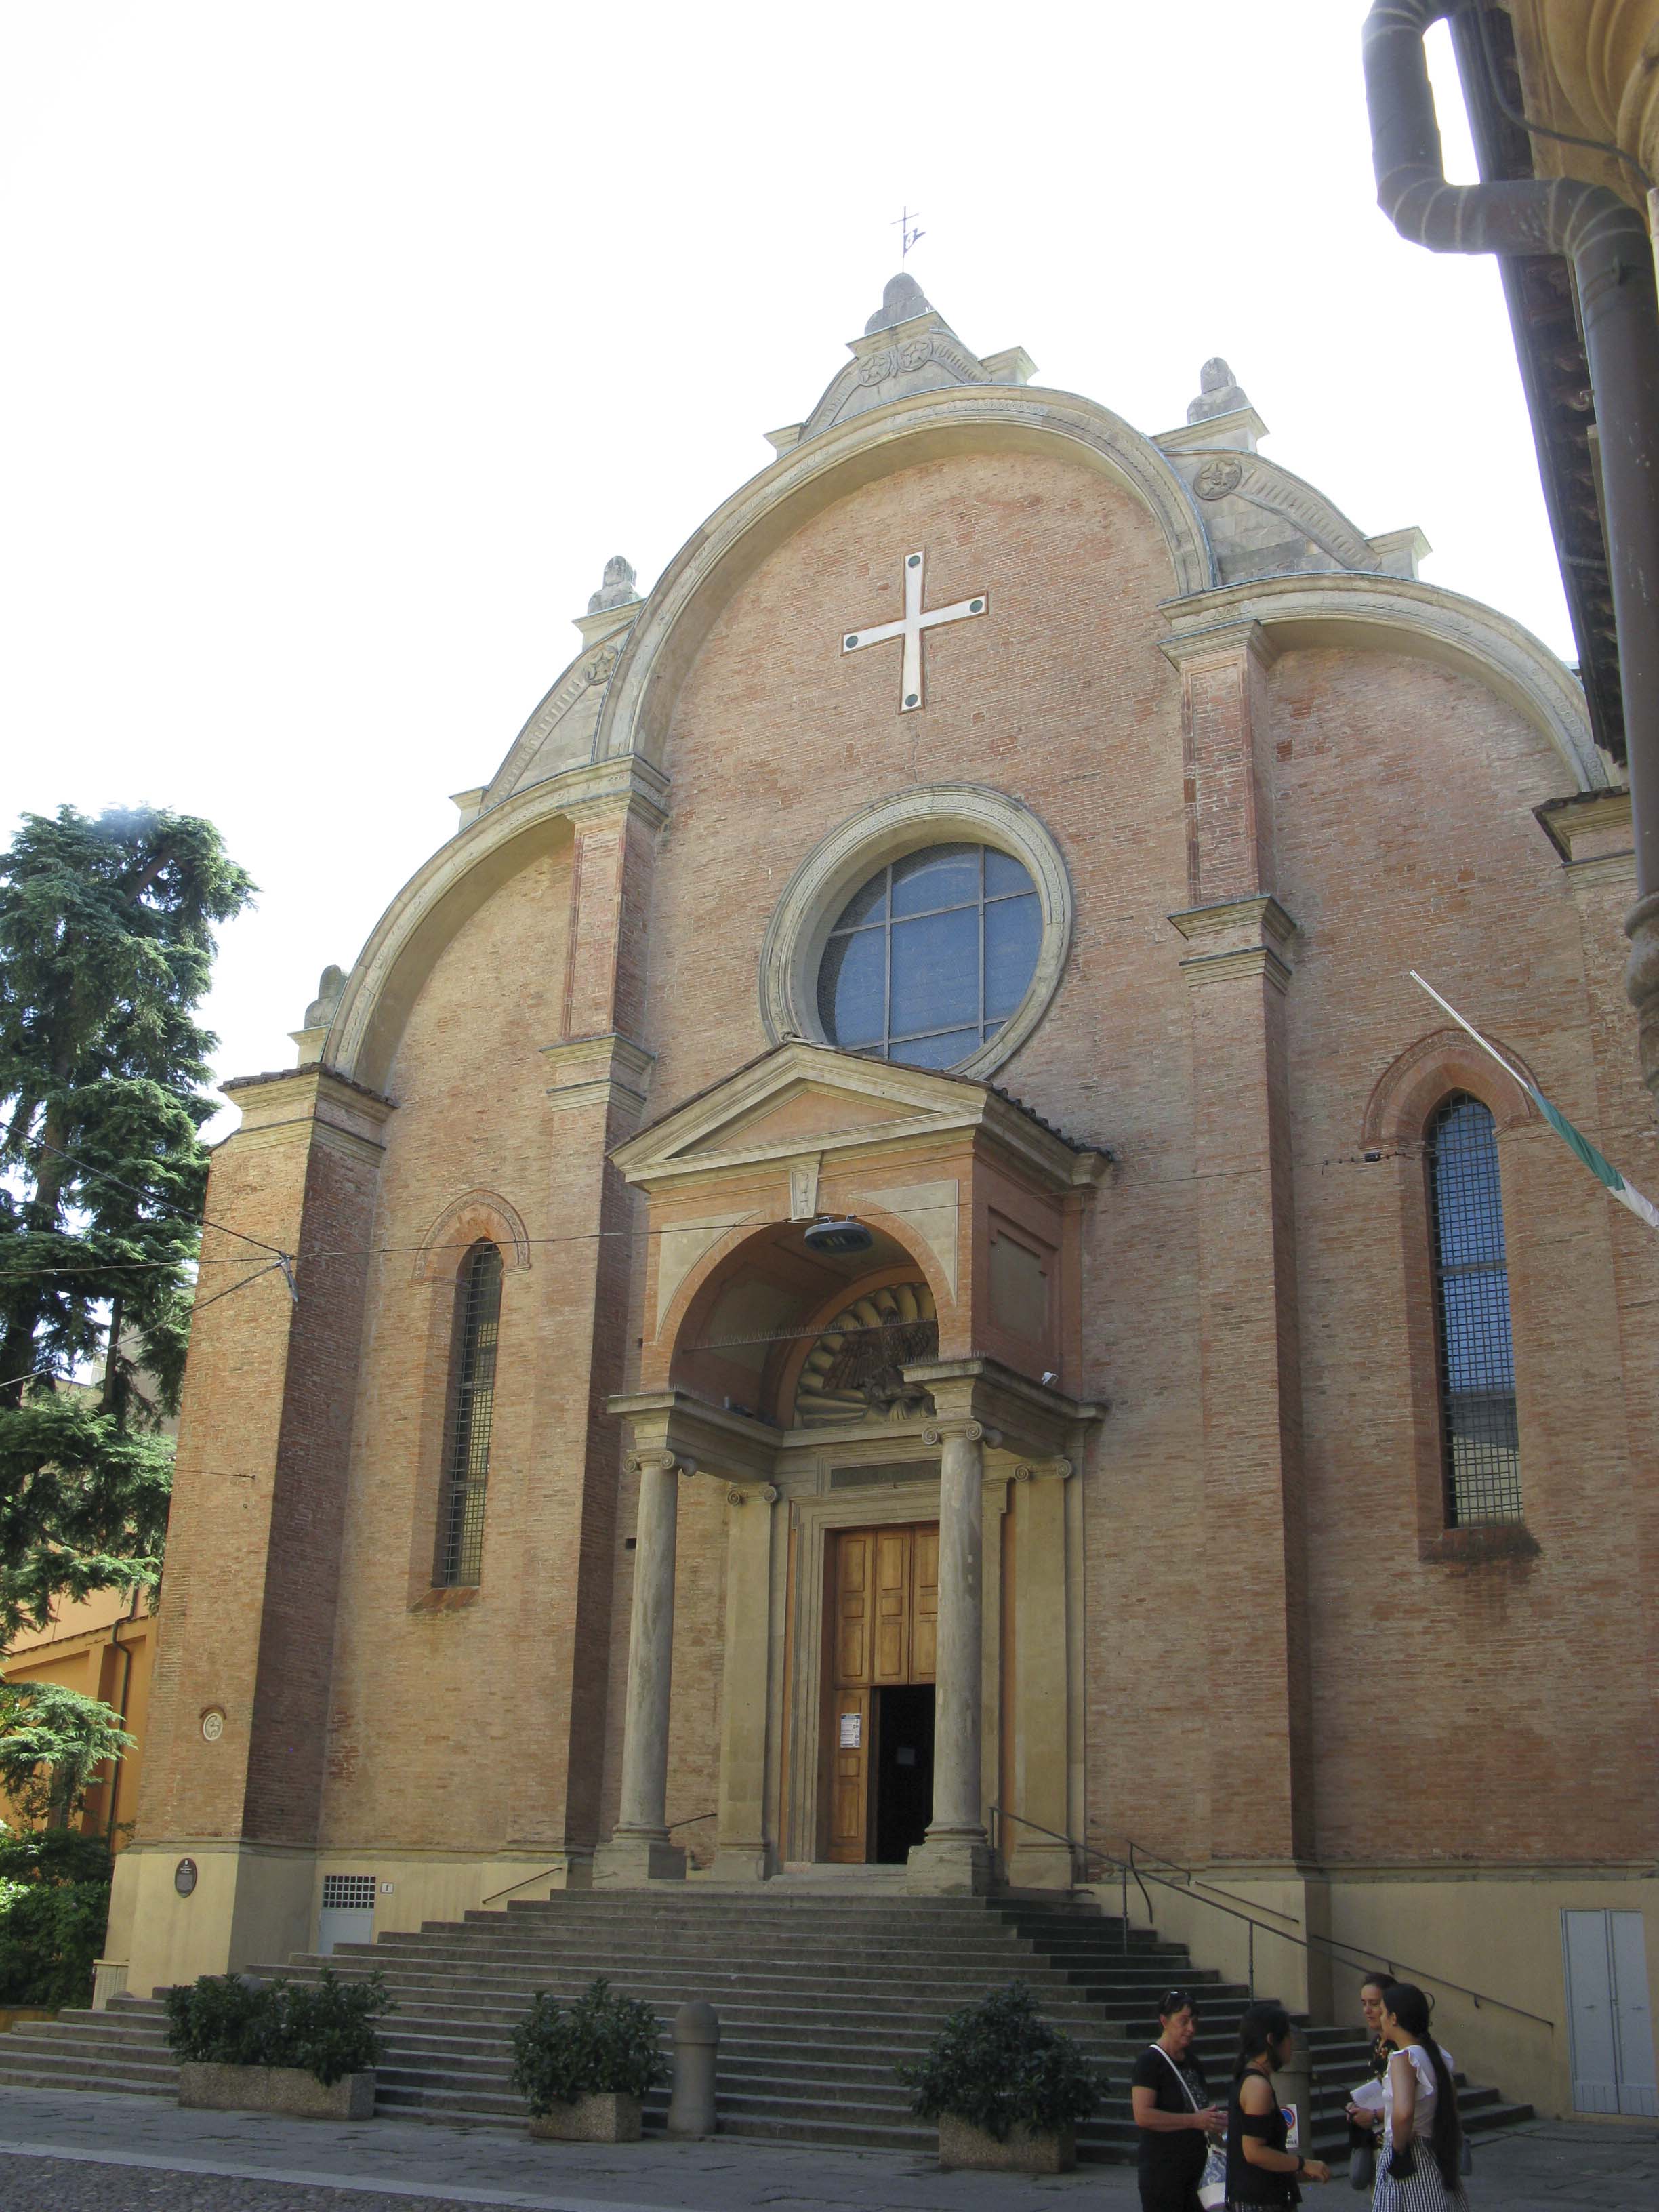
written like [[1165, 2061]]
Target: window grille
[[347, 1892], [460, 1557], [1480, 1439]]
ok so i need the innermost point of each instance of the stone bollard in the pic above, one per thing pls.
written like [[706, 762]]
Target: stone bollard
[[696, 2042], [1293, 2086]]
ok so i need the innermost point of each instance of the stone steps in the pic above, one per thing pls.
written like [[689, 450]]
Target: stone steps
[[817, 1999]]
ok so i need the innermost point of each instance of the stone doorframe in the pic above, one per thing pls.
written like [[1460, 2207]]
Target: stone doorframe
[[813, 1520], [1033, 1437]]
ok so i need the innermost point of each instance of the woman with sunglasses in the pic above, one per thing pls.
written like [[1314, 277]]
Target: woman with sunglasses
[[1173, 2114]]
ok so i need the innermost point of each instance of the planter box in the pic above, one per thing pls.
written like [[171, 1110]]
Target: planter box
[[283, 2089], [1021, 2152], [611, 2117]]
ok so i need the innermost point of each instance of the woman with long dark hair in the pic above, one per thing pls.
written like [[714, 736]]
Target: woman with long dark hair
[[1260, 2170], [1422, 2134]]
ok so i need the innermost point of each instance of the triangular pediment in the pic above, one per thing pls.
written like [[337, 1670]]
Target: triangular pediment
[[805, 1113], [799, 1098]]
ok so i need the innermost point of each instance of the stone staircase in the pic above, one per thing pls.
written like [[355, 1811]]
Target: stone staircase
[[818, 1995]]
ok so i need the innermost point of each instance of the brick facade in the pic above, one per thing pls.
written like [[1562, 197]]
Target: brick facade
[[1285, 1660]]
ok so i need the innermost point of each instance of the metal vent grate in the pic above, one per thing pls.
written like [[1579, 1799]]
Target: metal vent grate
[[1479, 1435], [460, 1555], [347, 1892]]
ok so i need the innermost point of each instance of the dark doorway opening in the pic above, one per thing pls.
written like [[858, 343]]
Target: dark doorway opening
[[904, 1769]]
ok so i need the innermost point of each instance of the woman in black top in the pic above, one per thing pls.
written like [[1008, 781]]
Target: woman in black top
[[1173, 2112], [1260, 2170]]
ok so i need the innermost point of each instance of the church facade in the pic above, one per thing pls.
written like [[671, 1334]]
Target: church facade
[[893, 1272]]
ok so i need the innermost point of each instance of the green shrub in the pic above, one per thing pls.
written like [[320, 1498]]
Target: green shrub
[[602, 2046], [54, 1908], [999, 2065], [324, 2028]]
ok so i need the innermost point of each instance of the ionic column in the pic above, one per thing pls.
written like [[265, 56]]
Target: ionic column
[[956, 1853], [639, 1848]]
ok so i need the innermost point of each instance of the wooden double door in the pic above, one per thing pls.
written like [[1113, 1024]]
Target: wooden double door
[[884, 1627]]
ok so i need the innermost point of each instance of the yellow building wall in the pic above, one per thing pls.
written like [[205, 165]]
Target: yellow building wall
[[104, 1646]]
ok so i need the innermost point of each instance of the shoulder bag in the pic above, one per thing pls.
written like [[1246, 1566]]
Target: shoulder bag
[[1213, 2182]]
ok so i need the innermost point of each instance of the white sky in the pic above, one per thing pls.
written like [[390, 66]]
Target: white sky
[[347, 341]]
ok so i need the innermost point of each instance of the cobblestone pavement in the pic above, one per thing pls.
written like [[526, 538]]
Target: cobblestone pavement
[[63, 2152]]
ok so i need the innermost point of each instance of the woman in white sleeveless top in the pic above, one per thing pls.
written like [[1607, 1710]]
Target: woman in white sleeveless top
[[1416, 2168]]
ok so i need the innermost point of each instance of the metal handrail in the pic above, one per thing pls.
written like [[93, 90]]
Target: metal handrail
[[525, 1884], [1146, 1850], [1128, 1870], [545, 1871]]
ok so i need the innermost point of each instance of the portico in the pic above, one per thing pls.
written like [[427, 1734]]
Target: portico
[[849, 1422]]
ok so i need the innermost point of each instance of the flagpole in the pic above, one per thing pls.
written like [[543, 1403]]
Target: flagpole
[[1600, 1166], [1469, 1027]]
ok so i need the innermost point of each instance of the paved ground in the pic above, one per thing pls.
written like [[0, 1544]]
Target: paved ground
[[86, 2153]]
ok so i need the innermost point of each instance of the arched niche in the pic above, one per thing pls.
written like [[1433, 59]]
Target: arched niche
[[745, 1319]]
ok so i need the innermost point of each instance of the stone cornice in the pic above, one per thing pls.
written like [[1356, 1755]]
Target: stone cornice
[[1591, 825], [1260, 915], [1034, 1421], [1240, 937], [312, 1096], [716, 1441], [1402, 614], [812, 475], [596, 1070], [926, 1105], [455, 882], [1220, 641]]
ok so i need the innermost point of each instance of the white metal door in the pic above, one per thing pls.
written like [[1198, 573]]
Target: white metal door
[[1610, 2022], [347, 1911], [1637, 2091]]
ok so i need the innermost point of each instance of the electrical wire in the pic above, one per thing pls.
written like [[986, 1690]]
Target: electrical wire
[[1482, 16], [102, 1174]]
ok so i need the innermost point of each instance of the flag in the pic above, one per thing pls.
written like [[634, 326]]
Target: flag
[[1599, 1165]]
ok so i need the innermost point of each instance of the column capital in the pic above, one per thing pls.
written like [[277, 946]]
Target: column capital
[[1039, 1470], [1221, 640], [735, 1445], [966, 1432], [1033, 1420], [1247, 936], [660, 1462], [767, 1494], [603, 1070]]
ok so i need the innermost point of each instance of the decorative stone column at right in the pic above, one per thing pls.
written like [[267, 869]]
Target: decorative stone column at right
[[955, 1859]]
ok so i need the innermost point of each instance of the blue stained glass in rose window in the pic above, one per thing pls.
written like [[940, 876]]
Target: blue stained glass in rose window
[[931, 956]]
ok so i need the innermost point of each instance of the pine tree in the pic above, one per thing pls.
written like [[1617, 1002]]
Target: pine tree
[[106, 951]]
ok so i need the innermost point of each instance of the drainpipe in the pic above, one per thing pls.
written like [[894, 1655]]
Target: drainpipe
[[126, 1650], [1613, 262]]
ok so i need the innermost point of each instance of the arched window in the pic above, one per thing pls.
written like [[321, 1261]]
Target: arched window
[[459, 1560], [1479, 1435]]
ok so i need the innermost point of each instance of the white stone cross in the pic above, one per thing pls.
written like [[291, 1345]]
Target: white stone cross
[[910, 628]]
